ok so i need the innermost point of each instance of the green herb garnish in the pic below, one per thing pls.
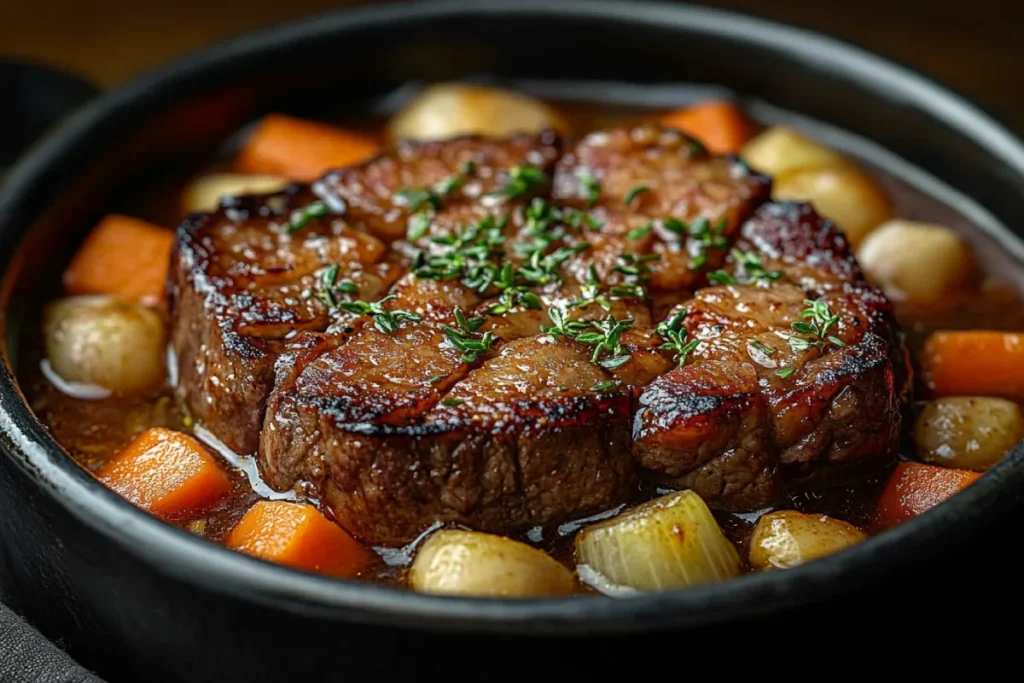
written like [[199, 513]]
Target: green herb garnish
[[605, 385], [635, 192], [766, 350], [606, 338], [452, 402], [592, 187], [522, 181], [640, 232], [817, 320], [300, 218], [720, 277], [384, 320], [465, 337], [636, 264], [676, 337], [706, 237], [785, 372], [330, 290], [752, 266]]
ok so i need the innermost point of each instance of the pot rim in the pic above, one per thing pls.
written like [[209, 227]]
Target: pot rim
[[200, 563]]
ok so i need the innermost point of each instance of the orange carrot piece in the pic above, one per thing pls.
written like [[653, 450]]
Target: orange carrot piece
[[301, 150], [123, 256], [168, 473], [914, 488], [974, 363], [298, 536], [721, 126]]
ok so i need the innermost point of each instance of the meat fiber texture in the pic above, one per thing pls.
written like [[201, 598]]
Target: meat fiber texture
[[629, 302]]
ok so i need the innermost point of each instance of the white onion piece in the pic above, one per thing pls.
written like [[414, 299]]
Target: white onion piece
[[670, 542], [106, 342]]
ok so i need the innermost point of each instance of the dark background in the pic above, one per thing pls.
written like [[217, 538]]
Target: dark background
[[975, 46], [957, 612]]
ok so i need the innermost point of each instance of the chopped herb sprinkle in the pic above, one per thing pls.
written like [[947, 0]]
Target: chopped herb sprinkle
[[635, 192], [452, 402], [639, 232], [387, 321], [300, 218], [607, 337], [818, 319], [605, 385], [330, 289], [465, 338], [676, 337], [785, 372], [592, 188]]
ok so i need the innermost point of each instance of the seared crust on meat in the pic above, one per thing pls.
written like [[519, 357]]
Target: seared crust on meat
[[396, 427]]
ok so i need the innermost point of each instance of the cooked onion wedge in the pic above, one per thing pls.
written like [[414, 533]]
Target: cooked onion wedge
[[449, 109], [477, 564], [204, 193], [787, 538], [670, 542]]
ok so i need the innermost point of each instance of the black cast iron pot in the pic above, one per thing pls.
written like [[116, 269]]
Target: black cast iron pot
[[139, 600]]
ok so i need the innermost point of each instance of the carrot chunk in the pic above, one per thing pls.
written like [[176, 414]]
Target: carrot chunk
[[301, 150], [122, 256], [298, 536], [721, 126], [974, 363], [914, 488], [168, 473]]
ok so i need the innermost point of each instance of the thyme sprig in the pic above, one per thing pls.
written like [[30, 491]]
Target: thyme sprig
[[422, 202], [677, 337], [466, 339], [818, 319], [607, 337], [591, 293], [329, 289], [385, 320], [752, 269]]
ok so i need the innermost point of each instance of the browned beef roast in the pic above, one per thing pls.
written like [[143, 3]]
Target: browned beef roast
[[515, 375]]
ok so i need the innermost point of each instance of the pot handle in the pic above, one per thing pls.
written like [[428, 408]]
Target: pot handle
[[37, 97]]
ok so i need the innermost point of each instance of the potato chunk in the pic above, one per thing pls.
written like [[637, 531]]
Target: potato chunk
[[920, 264], [204, 193], [780, 149], [788, 538], [105, 341], [844, 194], [971, 433], [449, 109], [471, 563]]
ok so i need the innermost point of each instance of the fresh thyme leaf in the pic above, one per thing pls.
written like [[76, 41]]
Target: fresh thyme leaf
[[302, 217], [465, 337], [329, 289], [785, 372], [818, 319], [636, 264], [751, 265], [468, 167], [720, 277], [605, 385], [676, 337], [676, 226], [706, 237], [592, 187], [635, 192], [606, 339], [387, 321], [766, 350], [435, 379], [452, 402], [640, 232], [419, 198], [629, 291], [419, 223], [522, 181]]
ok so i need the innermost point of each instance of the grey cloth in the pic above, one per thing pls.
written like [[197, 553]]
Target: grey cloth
[[27, 657]]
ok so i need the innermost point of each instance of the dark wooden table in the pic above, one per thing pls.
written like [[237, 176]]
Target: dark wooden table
[[974, 47]]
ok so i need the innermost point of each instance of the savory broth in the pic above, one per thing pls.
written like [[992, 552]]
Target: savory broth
[[93, 431]]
